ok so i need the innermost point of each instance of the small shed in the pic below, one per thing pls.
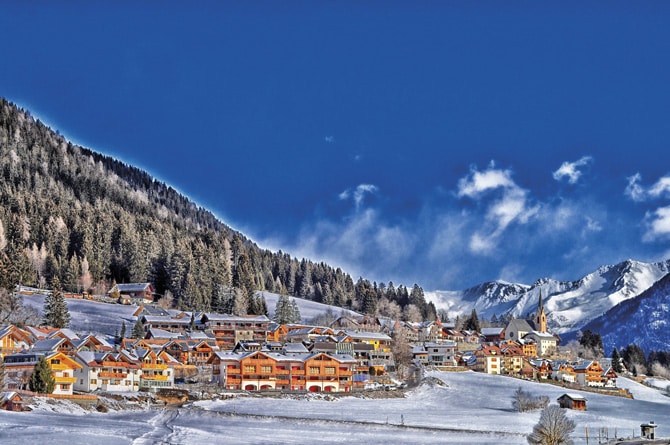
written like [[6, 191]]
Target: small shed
[[11, 401], [572, 401], [648, 430]]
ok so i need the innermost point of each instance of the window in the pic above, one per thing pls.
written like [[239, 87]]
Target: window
[[55, 361], [330, 370], [94, 381], [266, 369], [249, 368], [127, 382], [314, 370]]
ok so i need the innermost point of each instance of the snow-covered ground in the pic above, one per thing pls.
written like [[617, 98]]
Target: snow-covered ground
[[95, 317], [471, 408]]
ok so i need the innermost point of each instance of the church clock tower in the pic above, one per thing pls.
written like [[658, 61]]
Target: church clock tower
[[540, 316]]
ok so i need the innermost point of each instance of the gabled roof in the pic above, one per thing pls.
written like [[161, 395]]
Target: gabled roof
[[519, 324], [492, 331], [134, 287], [48, 345], [572, 396]]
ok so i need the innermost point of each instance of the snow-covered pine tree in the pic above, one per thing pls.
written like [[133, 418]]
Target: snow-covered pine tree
[[56, 312]]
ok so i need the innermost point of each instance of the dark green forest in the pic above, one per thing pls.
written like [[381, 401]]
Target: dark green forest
[[91, 220]]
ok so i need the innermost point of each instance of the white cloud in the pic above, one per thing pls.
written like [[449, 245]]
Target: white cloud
[[329, 139], [638, 193], [658, 224], [570, 170], [358, 193], [634, 190], [478, 182], [661, 188], [511, 206]]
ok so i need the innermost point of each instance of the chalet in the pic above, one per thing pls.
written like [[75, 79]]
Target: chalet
[[380, 357], [92, 343], [512, 359], [572, 401], [261, 371], [488, 359], [493, 335], [107, 372], [156, 368], [137, 292], [19, 368], [609, 378], [589, 373], [166, 323], [11, 401], [563, 371], [230, 329], [453, 334], [13, 340]]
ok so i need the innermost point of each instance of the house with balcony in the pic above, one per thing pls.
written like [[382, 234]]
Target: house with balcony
[[512, 359], [589, 373], [106, 371], [228, 330], [263, 371], [13, 340], [156, 368], [19, 367], [489, 359]]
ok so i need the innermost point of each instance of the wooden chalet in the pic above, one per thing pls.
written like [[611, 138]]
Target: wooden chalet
[[589, 373], [11, 401], [230, 329], [572, 401], [13, 340], [262, 371], [136, 292]]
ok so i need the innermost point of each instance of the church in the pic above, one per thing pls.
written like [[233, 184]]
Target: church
[[521, 330]]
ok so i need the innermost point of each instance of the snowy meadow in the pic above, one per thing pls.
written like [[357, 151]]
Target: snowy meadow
[[468, 408]]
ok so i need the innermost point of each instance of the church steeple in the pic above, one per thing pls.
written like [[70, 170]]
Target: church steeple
[[540, 316]]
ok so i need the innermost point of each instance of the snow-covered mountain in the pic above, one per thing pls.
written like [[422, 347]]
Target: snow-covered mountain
[[570, 305], [643, 320]]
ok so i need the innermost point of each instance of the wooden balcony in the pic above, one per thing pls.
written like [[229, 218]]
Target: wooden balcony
[[112, 375], [59, 367], [154, 366], [114, 364], [282, 382], [259, 362], [59, 379], [298, 371], [233, 381], [345, 372], [233, 370], [282, 371], [158, 377]]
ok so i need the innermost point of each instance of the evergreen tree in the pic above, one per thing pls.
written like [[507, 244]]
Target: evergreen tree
[[56, 312], [42, 380], [296, 311], [138, 330], [282, 313], [472, 322]]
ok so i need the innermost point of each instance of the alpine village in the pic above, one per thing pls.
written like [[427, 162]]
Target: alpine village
[[76, 225]]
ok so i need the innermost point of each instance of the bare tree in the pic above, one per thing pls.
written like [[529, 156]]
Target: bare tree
[[554, 428], [524, 401], [13, 311]]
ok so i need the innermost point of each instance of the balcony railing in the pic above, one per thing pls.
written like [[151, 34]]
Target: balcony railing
[[233, 370], [112, 375], [158, 377], [298, 371], [233, 381], [154, 366], [59, 367], [59, 379]]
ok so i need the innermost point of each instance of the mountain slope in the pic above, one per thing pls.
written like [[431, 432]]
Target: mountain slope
[[643, 320], [570, 305]]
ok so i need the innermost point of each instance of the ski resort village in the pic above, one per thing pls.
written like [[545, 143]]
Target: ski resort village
[[157, 348], [170, 358]]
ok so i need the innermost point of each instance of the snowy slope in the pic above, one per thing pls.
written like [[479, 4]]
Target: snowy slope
[[643, 320], [570, 305], [471, 408], [103, 318]]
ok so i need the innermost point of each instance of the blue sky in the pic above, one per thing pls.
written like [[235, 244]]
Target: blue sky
[[442, 143]]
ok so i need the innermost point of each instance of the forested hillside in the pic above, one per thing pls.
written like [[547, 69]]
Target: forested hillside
[[91, 220]]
